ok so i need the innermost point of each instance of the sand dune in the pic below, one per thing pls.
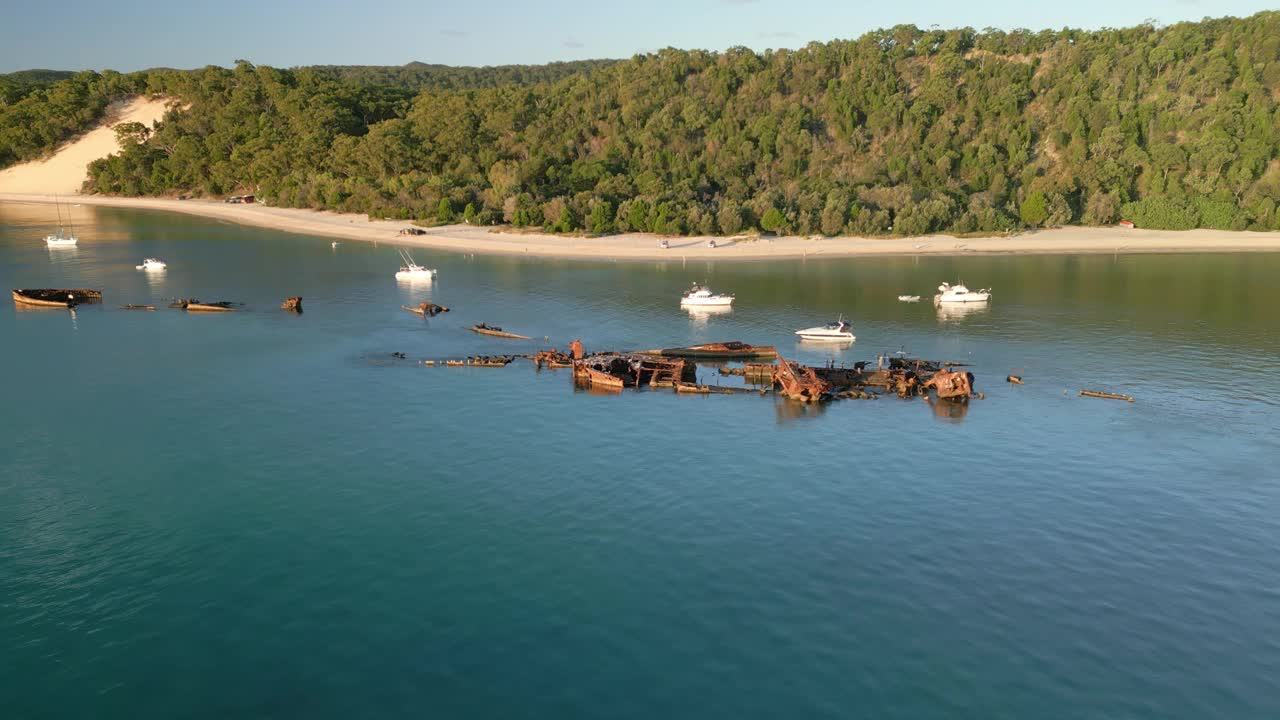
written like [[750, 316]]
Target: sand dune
[[65, 172]]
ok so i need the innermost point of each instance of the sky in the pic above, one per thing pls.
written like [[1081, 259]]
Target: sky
[[93, 34]]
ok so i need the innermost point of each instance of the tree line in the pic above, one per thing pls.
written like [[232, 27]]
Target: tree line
[[901, 131]]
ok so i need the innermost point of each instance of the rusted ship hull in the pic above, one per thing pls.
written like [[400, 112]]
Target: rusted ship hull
[[732, 350]]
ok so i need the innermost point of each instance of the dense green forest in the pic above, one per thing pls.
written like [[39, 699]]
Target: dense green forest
[[17, 85], [902, 131]]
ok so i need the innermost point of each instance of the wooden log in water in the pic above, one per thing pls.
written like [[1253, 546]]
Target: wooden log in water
[[1106, 395], [1014, 379]]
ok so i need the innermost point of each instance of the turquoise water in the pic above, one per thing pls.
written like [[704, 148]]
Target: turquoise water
[[265, 515]]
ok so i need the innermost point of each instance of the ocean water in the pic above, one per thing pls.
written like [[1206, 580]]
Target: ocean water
[[266, 515]]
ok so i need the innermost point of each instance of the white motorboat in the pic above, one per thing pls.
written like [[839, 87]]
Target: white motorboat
[[152, 264], [958, 293], [908, 298], [411, 270], [61, 238], [702, 295], [838, 331]]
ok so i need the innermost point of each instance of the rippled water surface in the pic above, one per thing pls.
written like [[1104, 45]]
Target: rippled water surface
[[265, 515]]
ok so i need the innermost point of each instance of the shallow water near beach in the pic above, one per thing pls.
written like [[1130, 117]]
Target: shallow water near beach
[[259, 514]]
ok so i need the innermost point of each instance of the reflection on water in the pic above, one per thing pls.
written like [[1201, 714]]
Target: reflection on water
[[949, 411], [789, 410], [952, 312], [700, 315]]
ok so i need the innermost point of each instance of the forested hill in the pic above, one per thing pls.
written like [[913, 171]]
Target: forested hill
[[418, 76], [903, 130]]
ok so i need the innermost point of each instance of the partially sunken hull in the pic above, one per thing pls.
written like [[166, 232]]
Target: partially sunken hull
[[50, 297], [732, 350], [495, 332]]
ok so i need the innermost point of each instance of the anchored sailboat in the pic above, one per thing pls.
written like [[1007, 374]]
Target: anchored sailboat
[[61, 238]]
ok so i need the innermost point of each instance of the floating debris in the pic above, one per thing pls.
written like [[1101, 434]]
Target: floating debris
[[426, 309], [137, 307], [1014, 379], [1106, 395], [293, 304]]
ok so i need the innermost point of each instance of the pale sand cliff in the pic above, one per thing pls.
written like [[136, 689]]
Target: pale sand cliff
[[37, 182], [65, 171]]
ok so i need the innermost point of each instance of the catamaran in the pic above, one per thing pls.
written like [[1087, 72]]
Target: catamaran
[[838, 331], [702, 295], [411, 270], [61, 238]]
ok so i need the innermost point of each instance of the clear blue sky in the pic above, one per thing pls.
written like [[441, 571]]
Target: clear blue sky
[[77, 34]]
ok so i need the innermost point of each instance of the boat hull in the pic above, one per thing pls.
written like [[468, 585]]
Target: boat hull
[[819, 337], [498, 333], [423, 276], [718, 351], [48, 297], [967, 298], [201, 307], [707, 302]]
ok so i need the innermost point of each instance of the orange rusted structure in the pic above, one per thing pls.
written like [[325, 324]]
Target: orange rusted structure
[[951, 384], [799, 382]]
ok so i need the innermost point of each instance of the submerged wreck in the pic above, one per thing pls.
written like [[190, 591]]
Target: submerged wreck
[[731, 350], [53, 297], [619, 370]]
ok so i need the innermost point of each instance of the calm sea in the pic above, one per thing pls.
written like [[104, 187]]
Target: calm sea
[[266, 515]]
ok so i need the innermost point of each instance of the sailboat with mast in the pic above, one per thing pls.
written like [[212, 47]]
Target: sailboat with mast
[[411, 270], [62, 238]]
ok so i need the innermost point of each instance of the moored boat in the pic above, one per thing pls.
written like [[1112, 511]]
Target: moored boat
[[496, 332], [732, 350], [702, 295], [908, 298], [53, 297], [152, 264], [137, 307], [411, 270], [838, 331], [958, 293]]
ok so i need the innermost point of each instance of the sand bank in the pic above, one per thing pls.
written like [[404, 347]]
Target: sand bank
[[641, 246], [65, 171]]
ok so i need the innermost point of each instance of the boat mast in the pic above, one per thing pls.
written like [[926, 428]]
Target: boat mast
[[58, 207]]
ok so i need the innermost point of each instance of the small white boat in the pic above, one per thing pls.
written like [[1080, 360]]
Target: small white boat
[[838, 331], [702, 295], [333, 244], [152, 264], [411, 270], [958, 293], [908, 298], [60, 238]]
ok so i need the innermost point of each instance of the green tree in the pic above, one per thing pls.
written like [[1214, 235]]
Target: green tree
[[773, 220], [469, 214], [444, 211], [1034, 209]]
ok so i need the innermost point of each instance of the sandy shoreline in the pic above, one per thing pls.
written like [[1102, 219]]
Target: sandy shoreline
[[641, 246]]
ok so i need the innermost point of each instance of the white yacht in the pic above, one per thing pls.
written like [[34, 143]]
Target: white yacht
[[411, 270], [958, 293], [702, 295], [838, 331], [152, 264]]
